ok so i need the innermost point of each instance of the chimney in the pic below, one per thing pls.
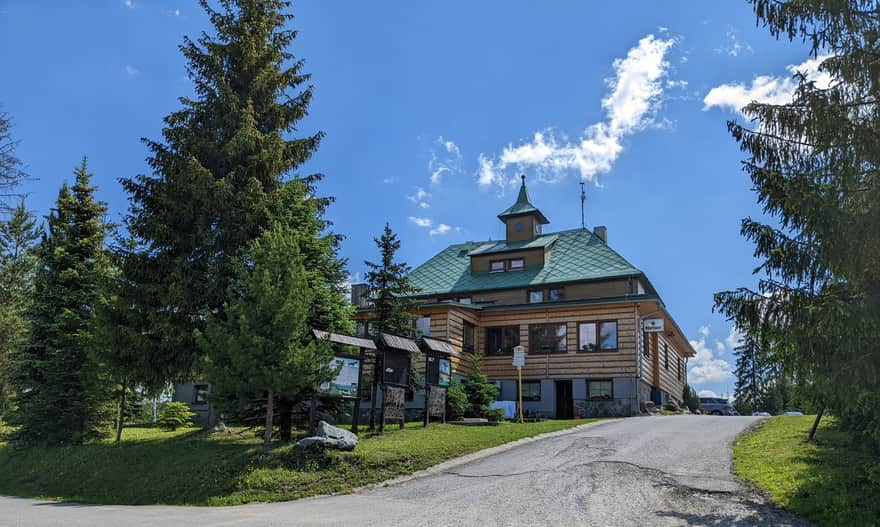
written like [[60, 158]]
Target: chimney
[[602, 232]]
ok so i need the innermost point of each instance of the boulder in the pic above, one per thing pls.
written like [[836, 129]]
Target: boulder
[[220, 428], [329, 436], [671, 406]]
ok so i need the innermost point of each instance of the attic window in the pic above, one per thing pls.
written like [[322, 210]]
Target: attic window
[[496, 266], [517, 264], [537, 228]]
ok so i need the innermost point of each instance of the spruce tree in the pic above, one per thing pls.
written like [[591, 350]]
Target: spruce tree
[[218, 172], [261, 342], [17, 237], [388, 288], [814, 163], [750, 375], [57, 373], [11, 168]]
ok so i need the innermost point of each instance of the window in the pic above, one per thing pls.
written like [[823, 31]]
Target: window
[[666, 355], [200, 394], [537, 228], [536, 297], [547, 338], [600, 390], [516, 264], [464, 300], [587, 336], [423, 326], [646, 344], [608, 336], [501, 340], [518, 226], [496, 266], [557, 294], [678, 367], [361, 330], [531, 390], [467, 337]]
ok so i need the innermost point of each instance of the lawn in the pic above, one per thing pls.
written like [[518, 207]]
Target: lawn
[[191, 467], [828, 482]]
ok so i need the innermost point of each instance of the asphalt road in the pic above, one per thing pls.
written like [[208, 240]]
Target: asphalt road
[[641, 471]]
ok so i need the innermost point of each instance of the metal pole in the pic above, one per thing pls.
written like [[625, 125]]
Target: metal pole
[[519, 374]]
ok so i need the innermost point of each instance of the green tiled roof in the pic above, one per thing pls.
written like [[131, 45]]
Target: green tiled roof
[[523, 205], [577, 255], [503, 246]]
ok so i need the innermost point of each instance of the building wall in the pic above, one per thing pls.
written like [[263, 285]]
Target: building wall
[[528, 231], [572, 291]]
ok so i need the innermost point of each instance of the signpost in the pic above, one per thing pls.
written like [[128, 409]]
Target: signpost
[[519, 360], [654, 325]]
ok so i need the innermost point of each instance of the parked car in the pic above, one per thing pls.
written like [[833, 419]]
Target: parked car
[[716, 406], [760, 414], [793, 413]]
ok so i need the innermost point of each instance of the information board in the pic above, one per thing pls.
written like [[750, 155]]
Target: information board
[[346, 382]]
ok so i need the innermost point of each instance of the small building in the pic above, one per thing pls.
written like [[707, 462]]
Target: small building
[[576, 305]]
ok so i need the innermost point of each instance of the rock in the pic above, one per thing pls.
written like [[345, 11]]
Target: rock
[[671, 406], [220, 428], [329, 436]]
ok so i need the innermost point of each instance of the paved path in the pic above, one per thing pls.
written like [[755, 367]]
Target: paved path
[[642, 471]]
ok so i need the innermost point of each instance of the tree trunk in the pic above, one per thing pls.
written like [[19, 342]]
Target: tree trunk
[[285, 422], [270, 410], [120, 421], [816, 424]]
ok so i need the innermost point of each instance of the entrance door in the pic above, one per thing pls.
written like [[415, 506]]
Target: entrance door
[[564, 400]]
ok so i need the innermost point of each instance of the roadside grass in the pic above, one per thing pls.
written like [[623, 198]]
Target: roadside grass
[[191, 467], [827, 482]]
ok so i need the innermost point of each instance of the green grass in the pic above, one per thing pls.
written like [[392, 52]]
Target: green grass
[[190, 467], [828, 482]]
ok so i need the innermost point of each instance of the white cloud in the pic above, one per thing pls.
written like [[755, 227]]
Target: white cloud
[[707, 393], [389, 180], [767, 89], [172, 12], [131, 71], [733, 46], [445, 159], [129, 4], [424, 205], [421, 222], [734, 339], [706, 366], [631, 105], [419, 196], [441, 229]]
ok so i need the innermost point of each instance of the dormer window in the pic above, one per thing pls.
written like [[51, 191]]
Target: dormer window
[[496, 266], [518, 226], [517, 264], [538, 229]]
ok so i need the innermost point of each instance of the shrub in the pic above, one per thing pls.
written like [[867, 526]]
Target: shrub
[[495, 414], [174, 415], [480, 392], [456, 401]]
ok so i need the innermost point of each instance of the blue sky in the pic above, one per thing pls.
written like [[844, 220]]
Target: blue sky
[[430, 111]]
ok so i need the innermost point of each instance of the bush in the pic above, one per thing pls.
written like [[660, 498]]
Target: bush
[[480, 392], [495, 414], [456, 401], [174, 415]]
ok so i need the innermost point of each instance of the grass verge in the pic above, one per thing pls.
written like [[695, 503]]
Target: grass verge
[[828, 482], [190, 467]]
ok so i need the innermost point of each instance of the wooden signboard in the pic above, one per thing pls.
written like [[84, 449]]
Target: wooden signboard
[[437, 402], [393, 404]]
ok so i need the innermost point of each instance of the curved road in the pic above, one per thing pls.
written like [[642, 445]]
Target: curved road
[[640, 471]]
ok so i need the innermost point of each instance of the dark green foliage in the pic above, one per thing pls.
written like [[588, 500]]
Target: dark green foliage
[[480, 392], [752, 376], [456, 401], [62, 391], [814, 165], [219, 175], [261, 341], [690, 398], [389, 287], [17, 237], [174, 415], [11, 168]]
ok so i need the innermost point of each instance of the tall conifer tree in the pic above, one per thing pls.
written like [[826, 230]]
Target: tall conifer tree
[[222, 169], [57, 372], [815, 164], [17, 238]]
